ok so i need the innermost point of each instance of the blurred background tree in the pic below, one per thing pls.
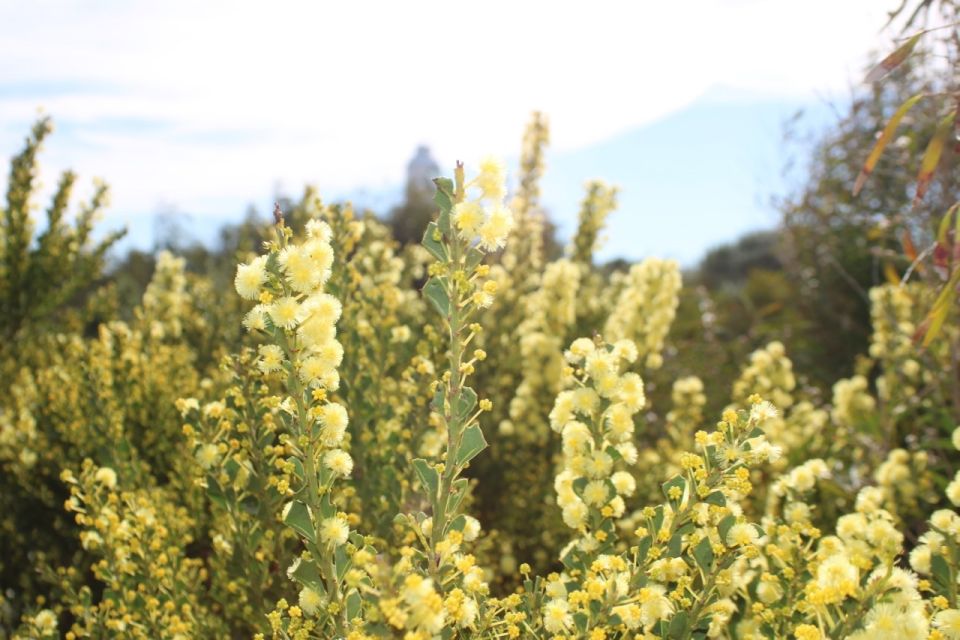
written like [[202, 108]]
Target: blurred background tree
[[409, 219]]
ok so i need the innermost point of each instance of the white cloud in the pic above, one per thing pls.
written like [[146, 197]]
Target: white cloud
[[340, 93]]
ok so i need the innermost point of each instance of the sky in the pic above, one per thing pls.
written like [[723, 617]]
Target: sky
[[207, 108]]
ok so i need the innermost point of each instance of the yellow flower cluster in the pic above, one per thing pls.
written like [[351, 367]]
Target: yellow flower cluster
[[892, 312], [299, 318], [596, 421], [325, 473], [645, 308], [140, 537]]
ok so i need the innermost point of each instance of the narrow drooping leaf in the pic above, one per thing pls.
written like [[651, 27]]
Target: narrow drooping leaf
[[893, 60], [890, 273], [941, 309], [883, 141], [909, 248], [945, 221], [931, 157]]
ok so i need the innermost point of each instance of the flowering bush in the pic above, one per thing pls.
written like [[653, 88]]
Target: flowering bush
[[466, 439]]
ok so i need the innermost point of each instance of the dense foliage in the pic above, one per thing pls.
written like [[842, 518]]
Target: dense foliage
[[323, 432]]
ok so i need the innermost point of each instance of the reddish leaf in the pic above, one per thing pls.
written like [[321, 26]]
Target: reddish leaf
[[909, 249], [911, 253], [921, 330], [893, 60]]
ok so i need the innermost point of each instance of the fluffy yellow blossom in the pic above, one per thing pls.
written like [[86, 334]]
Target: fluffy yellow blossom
[[495, 229], [953, 490], [947, 622], [839, 576], [596, 493], [556, 616], [742, 534], [310, 601], [271, 358], [468, 216], [339, 462], [251, 277], [425, 604], [807, 632], [107, 477], [333, 422], [45, 622], [285, 312], [334, 531], [208, 455], [491, 178]]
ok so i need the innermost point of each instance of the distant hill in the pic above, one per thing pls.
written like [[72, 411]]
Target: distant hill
[[694, 179]]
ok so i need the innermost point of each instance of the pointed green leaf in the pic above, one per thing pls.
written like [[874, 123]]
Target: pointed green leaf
[[444, 199], [432, 242], [671, 486], [645, 543], [429, 477], [716, 498], [438, 398], [724, 527], [474, 258], [941, 572], [675, 545], [457, 493], [250, 504], [471, 444], [354, 603], [215, 493], [466, 403], [679, 624], [458, 523], [703, 554], [297, 467], [658, 518], [307, 574], [578, 486], [437, 295], [342, 562], [327, 510], [580, 619], [297, 517]]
